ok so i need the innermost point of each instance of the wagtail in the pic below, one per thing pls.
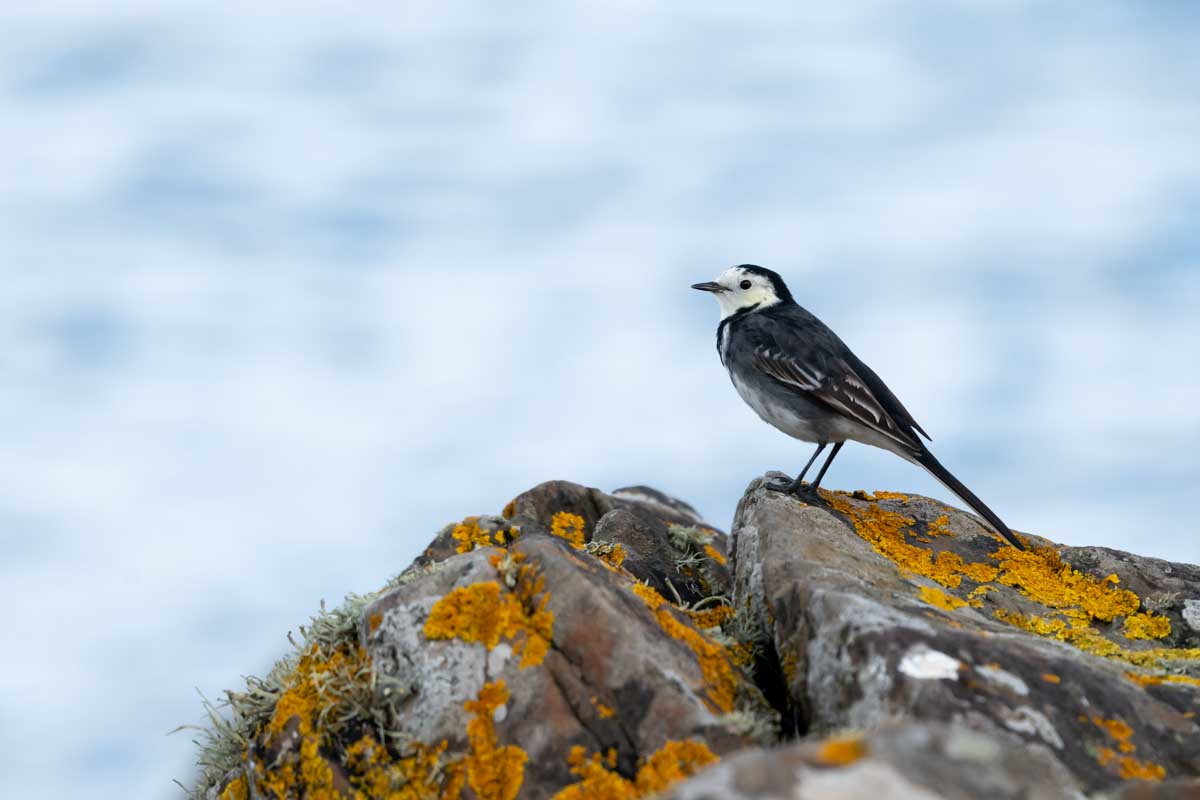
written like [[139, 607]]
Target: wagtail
[[801, 378]]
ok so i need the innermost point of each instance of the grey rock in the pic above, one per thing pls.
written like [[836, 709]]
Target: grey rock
[[897, 761], [858, 646]]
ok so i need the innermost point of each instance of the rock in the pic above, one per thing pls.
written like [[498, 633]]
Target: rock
[[897, 761], [897, 607], [568, 509], [610, 675], [585, 645], [517, 657]]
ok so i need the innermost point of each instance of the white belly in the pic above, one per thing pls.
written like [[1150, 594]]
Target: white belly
[[778, 413]]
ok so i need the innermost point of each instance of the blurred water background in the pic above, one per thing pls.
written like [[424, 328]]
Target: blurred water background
[[288, 286]]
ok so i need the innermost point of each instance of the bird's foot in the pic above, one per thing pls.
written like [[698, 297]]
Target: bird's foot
[[784, 486]]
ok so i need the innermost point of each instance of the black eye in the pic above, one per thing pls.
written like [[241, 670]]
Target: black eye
[[746, 284]]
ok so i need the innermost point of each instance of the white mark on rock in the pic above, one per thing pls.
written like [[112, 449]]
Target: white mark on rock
[[498, 657], [967, 745], [501, 713], [1005, 679], [1191, 613], [865, 779], [1032, 723], [925, 664]]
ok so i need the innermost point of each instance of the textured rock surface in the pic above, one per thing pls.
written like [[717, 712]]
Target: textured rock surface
[[526, 655], [905, 761], [899, 607], [584, 645]]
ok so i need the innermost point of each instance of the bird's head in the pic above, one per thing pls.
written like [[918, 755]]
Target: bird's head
[[747, 288]]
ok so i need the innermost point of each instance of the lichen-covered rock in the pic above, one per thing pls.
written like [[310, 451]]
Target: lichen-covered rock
[[905, 761], [591, 646], [516, 659], [589, 658], [890, 606]]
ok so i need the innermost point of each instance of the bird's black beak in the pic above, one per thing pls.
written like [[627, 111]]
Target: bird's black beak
[[710, 286]]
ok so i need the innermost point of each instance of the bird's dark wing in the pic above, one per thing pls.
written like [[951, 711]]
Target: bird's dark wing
[[803, 353], [840, 388]]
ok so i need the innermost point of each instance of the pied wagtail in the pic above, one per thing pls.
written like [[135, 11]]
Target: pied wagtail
[[801, 378]]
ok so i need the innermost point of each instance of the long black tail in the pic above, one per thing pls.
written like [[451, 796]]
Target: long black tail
[[952, 483]]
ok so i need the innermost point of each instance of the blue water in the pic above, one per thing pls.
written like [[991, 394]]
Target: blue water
[[287, 288]]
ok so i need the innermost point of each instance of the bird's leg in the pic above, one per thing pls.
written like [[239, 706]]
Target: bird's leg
[[828, 461], [791, 487]]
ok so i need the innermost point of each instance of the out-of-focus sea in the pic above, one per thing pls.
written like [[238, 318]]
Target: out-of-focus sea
[[287, 286]]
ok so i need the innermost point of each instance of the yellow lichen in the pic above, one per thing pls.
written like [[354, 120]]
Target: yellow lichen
[[1128, 767], [715, 663], [493, 772], [1038, 573], [374, 773], [674, 762], [713, 617], [470, 535], [939, 527], [484, 613], [936, 597], [509, 509], [714, 554], [1146, 626], [1076, 631], [236, 790], [604, 711], [842, 751], [1042, 576], [1158, 680], [892, 496], [1050, 677], [313, 689], [884, 530], [616, 556], [566, 525]]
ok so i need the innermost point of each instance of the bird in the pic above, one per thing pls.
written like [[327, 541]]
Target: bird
[[801, 378]]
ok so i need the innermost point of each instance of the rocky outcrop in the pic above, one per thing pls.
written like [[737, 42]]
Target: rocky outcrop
[[614, 646]]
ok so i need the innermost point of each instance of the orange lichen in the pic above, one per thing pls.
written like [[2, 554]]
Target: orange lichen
[[236, 790], [892, 496], [842, 751], [715, 554], [566, 525], [616, 556], [470, 535], [1075, 630], [649, 596], [939, 527], [674, 762], [1146, 626], [715, 663], [1158, 680], [374, 621], [936, 597], [742, 654], [1050, 677], [711, 617], [313, 689], [494, 772], [375, 774], [1128, 767], [604, 711], [884, 530], [1042, 576], [509, 509], [484, 613]]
